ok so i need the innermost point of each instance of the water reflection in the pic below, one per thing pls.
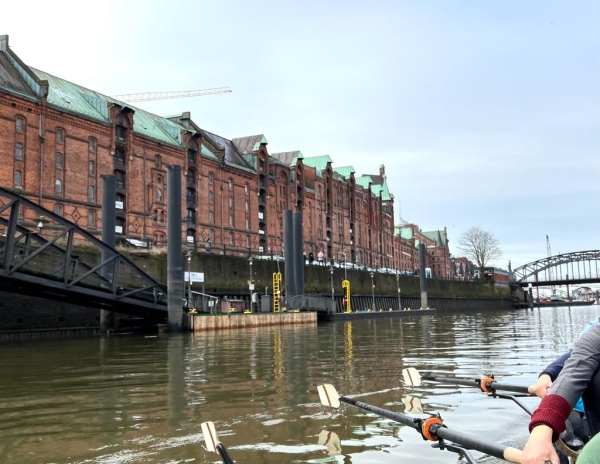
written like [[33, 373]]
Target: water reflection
[[136, 399]]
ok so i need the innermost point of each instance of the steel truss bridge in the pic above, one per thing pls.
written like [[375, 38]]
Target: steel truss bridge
[[45, 255], [580, 267]]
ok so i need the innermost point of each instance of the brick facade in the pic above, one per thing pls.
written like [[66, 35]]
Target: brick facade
[[58, 140]]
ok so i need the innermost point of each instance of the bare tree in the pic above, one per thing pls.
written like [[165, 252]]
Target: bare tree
[[480, 246]]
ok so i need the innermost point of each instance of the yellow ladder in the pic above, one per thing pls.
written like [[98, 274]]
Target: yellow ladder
[[276, 291], [346, 287]]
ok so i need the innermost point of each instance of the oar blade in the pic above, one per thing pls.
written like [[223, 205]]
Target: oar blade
[[331, 441], [412, 405], [412, 377], [211, 440], [328, 395]]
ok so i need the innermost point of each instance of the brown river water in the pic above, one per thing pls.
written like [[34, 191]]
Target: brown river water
[[135, 399]]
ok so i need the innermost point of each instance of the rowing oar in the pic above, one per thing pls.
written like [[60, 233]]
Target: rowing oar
[[211, 440], [431, 428], [413, 378]]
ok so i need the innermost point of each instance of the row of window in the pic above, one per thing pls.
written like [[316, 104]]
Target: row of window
[[59, 160]]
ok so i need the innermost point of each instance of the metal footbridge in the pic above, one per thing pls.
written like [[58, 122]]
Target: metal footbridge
[[43, 254], [580, 267]]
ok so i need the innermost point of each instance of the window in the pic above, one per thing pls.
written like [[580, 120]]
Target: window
[[120, 155], [191, 156], [230, 184], [155, 215], [159, 195], [59, 161], [159, 180], [120, 178], [58, 186], [191, 215], [247, 206], [58, 210], [211, 177], [211, 217], [121, 132], [91, 168], [246, 189], [19, 124], [211, 236], [210, 197], [60, 136], [247, 223], [230, 202], [18, 151], [248, 241], [92, 219], [190, 195], [92, 145], [91, 193], [18, 179], [162, 217], [231, 238], [157, 162], [231, 220]]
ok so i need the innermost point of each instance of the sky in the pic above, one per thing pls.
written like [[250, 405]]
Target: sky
[[484, 113]]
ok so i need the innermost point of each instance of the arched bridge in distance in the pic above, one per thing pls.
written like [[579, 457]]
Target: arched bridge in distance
[[43, 254], [580, 267]]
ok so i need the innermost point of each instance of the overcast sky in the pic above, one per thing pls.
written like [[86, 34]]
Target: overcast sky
[[485, 113]]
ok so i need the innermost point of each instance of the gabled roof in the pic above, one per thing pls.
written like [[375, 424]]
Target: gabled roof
[[318, 162], [345, 171], [378, 189], [249, 144], [406, 233], [439, 236], [10, 78], [232, 156], [288, 157]]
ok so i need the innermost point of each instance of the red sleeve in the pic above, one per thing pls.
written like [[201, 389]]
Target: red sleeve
[[553, 411]]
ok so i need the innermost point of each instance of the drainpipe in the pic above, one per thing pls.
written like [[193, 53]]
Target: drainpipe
[[42, 140], [145, 210]]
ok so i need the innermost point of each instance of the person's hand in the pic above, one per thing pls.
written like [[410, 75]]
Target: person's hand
[[539, 449], [541, 387]]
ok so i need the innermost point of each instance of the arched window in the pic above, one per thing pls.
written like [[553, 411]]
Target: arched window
[[159, 195], [162, 217], [19, 124], [92, 145], [157, 162], [59, 161], [231, 238], [91, 193], [91, 168], [211, 177], [18, 151], [18, 179], [246, 189], [159, 180], [58, 187], [230, 183], [155, 215], [58, 210], [247, 241], [60, 136]]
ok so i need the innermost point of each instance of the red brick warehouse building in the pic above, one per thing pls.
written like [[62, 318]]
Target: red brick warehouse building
[[57, 140]]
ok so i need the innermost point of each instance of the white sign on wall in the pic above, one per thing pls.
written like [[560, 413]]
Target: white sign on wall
[[196, 277], [118, 204]]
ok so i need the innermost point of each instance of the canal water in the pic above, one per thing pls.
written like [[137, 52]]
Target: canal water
[[134, 399]]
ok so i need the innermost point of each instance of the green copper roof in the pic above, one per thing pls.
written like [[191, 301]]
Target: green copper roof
[[345, 171], [317, 162], [363, 181], [77, 99], [378, 190], [207, 153], [406, 233]]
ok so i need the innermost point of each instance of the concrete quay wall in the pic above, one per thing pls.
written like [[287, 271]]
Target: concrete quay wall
[[201, 323]]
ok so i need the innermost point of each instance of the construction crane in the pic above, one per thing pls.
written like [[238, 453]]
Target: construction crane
[[149, 96]]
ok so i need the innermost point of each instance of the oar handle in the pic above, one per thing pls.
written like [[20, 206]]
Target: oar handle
[[396, 417]]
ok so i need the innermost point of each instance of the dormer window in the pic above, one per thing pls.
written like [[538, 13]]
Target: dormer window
[[192, 152], [120, 155], [121, 127]]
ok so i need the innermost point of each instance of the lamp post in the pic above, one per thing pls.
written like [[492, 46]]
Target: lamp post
[[189, 260], [372, 292], [250, 285], [332, 297], [398, 285]]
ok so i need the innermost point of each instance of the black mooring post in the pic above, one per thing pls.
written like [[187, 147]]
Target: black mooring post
[[109, 237], [298, 254], [288, 252], [174, 250], [422, 276]]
